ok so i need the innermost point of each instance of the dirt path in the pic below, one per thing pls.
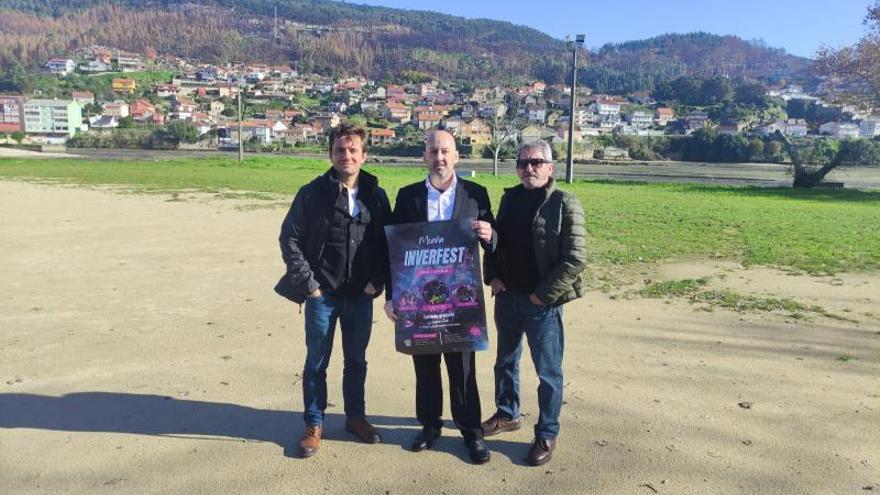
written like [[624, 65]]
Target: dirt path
[[143, 351]]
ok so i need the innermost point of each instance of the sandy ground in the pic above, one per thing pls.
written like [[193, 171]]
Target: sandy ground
[[142, 350]]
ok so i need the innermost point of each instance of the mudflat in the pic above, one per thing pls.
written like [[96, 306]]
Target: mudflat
[[144, 351]]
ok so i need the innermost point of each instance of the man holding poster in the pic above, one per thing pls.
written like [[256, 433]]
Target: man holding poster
[[436, 291]]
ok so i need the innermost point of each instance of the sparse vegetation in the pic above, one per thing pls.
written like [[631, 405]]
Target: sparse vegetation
[[696, 291]]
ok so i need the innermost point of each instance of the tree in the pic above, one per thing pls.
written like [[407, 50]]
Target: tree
[[810, 165], [859, 62], [501, 130], [858, 152], [5, 137], [686, 90], [18, 136], [181, 131], [357, 119], [751, 93], [716, 90]]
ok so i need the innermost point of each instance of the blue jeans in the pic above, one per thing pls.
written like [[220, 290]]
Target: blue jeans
[[514, 315], [355, 315]]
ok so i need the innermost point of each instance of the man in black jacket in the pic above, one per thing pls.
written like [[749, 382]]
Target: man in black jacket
[[443, 196], [333, 244]]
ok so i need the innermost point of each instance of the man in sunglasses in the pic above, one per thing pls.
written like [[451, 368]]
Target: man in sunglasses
[[536, 268]]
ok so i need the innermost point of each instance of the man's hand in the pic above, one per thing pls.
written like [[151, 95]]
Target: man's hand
[[369, 289], [497, 286], [483, 230], [389, 311], [315, 294], [535, 300]]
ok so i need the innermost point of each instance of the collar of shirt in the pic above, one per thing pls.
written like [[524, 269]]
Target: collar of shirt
[[440, 204]]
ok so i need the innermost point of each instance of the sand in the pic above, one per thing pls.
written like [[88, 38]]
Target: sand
[[142, 350]]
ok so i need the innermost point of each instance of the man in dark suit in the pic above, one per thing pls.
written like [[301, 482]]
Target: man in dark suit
[[443, 196]]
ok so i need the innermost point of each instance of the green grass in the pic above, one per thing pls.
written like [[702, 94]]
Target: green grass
[[814, 231]]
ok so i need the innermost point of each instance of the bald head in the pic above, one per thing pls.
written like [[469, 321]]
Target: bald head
[[441, 156]]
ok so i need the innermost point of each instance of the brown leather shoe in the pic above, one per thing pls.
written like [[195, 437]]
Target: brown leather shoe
[[363, 430], [541, 451], [310, 441], [499, 424]]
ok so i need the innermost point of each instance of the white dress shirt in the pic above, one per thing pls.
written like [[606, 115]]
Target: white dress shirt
[[353, 208], [440, 204]]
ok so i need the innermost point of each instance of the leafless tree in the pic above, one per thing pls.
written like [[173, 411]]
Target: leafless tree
[[501, 130]]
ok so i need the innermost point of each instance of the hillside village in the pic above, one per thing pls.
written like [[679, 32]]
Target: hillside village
[[283, 109]]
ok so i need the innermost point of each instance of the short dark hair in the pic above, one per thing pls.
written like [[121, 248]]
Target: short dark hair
[[346, 129]]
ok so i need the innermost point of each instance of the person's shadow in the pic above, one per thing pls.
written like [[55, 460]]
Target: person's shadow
[[142, 414], [112, 412]]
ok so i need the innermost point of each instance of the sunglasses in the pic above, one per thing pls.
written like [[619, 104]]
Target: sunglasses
[[534, 162]]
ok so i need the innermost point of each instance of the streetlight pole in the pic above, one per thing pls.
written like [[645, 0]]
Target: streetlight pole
[[240, 141], [573, 45]]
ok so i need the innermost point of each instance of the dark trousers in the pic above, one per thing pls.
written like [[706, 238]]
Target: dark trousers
[[463, 394]]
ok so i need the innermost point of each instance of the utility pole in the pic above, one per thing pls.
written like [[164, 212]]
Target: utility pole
[[573, 45], [240, 140]]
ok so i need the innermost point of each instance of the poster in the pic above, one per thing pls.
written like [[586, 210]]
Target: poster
[[438, 292]]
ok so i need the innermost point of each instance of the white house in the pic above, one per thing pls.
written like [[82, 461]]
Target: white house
[[795, 128], [60, 66], [95, 66], [839, 129], [102, 122], [606, 107], [640, 120], [869, 127]]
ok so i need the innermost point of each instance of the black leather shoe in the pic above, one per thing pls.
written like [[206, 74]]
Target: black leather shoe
[[478, 450], [425, 439]]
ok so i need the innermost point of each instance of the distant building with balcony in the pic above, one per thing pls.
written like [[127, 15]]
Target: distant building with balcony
[[60, 66], [606, 107], [52, 117], [94, 67], [116, 109], [640, 120], [128, 63], [844, 130]]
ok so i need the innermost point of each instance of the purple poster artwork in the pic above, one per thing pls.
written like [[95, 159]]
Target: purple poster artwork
[[437, 287]]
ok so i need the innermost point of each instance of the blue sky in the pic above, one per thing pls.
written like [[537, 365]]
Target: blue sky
[[800, 27]]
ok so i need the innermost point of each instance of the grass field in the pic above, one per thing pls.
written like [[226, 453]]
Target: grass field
[[817, 231]]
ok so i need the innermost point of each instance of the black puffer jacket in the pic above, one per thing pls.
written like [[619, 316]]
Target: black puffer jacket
[[559, 241], [304, 233]]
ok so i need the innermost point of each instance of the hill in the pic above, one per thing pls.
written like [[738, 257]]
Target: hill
[[336, 38]]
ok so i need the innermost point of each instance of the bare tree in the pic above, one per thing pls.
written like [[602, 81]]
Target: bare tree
[[501, 130], [858, 63]]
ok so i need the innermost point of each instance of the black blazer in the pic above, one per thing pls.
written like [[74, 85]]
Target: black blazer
[[471, 201]]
